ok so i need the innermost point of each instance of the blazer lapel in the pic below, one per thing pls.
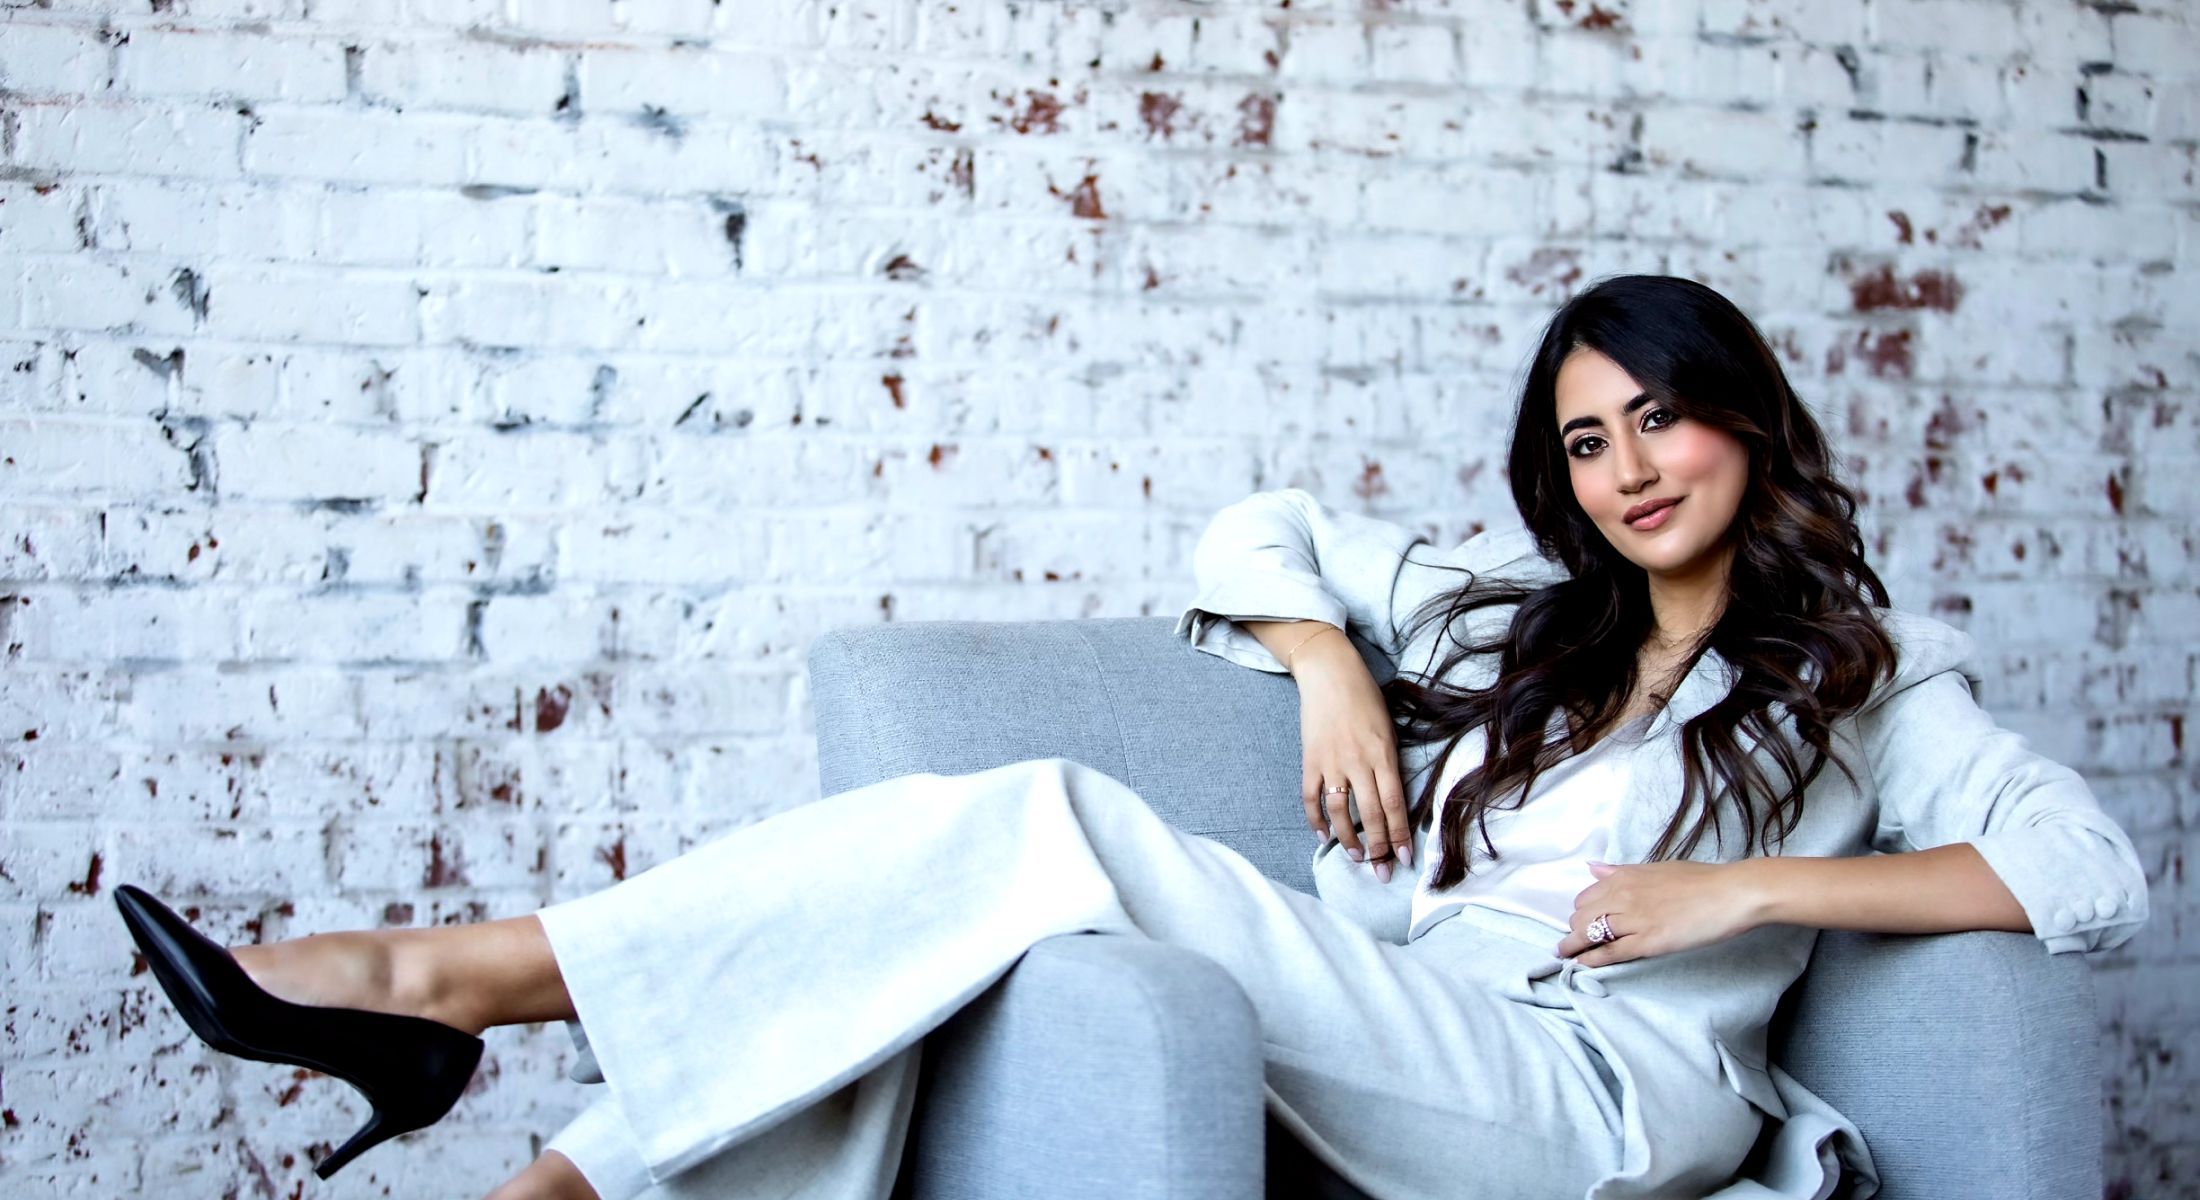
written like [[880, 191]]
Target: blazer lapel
[[1654, 784]]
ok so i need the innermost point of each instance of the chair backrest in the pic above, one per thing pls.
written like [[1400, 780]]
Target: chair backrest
[[1212, 746], [1969, 1061]]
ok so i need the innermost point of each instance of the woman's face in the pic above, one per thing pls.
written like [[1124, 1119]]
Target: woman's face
[[1629, 455]]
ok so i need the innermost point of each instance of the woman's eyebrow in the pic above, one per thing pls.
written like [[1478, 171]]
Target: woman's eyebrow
[[1641, 398]]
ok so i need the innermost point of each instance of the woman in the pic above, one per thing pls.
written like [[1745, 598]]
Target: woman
[[1682, 659]]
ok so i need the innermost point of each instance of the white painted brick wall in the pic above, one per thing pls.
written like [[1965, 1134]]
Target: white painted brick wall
[[432, 432]]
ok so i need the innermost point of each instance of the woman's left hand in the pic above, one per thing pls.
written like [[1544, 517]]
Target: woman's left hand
[[1658, 908]]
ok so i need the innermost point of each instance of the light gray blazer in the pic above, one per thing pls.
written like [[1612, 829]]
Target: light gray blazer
[[1686, 1032]]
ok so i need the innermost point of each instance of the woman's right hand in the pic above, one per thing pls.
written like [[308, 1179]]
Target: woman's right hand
[[1349, 741]]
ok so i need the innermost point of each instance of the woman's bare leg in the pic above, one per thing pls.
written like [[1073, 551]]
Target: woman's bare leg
[[551, 1177], [467, 976]]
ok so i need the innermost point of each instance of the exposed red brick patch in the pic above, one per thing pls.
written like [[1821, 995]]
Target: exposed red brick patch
[[1547, 266], [1042, 113], [941, 123], [1153, 279], [1084, 199], [1370, 484], [1045, 454], [1887, 356], [939, 454], [1156, 64], [1159, 111], [963, 172], [1927, 289], [1598, 16], [1928, 472], [289, 1095], [1257, 120], [442, 871], [893, 388], [1967, 235], [1903, 232], [903, 268], [2116, 492], [397, 913], [614, 857], [1944, 425], [89, 885], [551, 706]]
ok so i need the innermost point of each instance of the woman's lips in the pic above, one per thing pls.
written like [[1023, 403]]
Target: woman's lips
[[1655, 517]]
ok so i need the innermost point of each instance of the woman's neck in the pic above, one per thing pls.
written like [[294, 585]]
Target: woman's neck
[[1684, 604]]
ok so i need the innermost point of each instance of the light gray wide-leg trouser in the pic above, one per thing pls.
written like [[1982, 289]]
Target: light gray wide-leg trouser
[[757, 1020]]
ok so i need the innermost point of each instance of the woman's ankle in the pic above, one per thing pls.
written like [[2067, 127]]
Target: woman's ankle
[[428, 979]]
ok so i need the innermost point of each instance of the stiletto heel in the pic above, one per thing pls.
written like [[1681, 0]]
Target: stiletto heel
[[410, 1069], [369, 1136]]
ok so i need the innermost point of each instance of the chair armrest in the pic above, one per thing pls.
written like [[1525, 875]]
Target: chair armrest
[[1969, 1061], [1100, 1066]]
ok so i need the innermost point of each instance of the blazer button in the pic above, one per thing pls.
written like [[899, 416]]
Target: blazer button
[[2104, 908], [2066, 919]]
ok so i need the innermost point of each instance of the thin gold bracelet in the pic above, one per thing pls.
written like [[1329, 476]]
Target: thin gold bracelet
[[1326, 627]]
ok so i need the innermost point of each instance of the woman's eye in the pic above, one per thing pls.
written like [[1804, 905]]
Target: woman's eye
[[1584, 447], [1658, 418]]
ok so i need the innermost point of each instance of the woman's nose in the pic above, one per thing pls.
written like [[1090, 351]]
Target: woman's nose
[[1635, 471]]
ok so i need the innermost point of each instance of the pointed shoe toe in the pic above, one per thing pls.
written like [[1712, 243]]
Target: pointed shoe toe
[[410, 1069]]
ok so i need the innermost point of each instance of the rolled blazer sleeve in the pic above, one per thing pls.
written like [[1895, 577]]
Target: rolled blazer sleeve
[[1286, 556], [1947, 773]]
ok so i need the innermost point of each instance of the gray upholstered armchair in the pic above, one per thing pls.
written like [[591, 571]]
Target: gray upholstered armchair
[[1115, 1068]]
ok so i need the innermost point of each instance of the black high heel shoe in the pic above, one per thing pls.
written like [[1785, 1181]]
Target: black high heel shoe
[[410, 1069]]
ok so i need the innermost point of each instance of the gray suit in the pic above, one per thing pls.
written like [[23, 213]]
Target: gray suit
[[1469, 1057]]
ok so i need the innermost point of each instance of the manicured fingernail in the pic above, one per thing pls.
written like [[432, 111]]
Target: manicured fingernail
[[1405, 853], [1382, 872], [1357, 856]]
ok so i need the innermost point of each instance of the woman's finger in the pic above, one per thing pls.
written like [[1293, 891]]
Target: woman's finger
[[1393, 797], [1375, 832], [1619, 949], [1310, 795], [1577, 940], [1339, 806]]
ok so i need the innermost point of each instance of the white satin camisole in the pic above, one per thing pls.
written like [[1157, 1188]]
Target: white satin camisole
[[1544, 846]]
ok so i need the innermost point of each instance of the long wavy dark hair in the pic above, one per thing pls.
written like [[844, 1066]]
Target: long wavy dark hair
[[1797, 626]]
